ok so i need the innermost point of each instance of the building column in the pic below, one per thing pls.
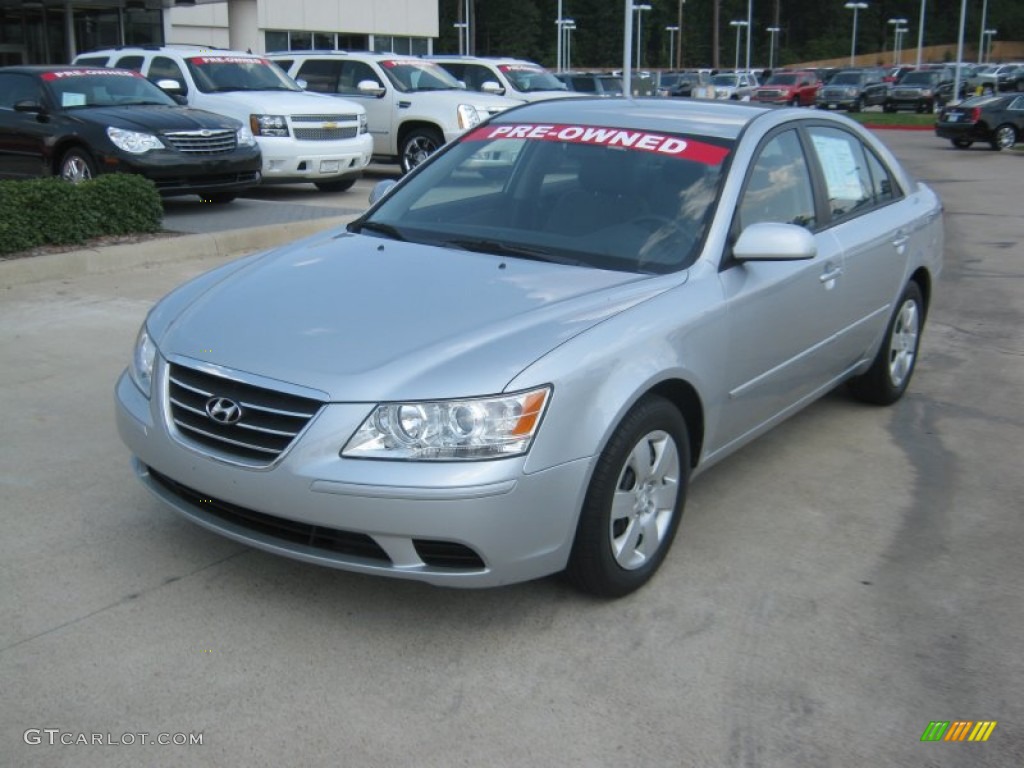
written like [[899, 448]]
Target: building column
[[243, 26]]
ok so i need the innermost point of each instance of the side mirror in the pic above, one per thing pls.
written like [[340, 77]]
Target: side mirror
[[171, 87], [301, 82], [381, 189], [28, 105], [371, 88], [770, 241], [491, 86]]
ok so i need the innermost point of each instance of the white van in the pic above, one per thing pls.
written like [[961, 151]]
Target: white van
[[303, 136], [413, 106]]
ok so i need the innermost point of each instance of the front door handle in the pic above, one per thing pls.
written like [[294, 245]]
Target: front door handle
[[900, 242], [830, 275]]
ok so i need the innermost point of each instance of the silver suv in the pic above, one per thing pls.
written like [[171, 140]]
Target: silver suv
[[413, 106], [303, 136], [514, 78]]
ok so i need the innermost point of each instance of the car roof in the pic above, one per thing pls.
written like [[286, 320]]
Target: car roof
[[710, 118]]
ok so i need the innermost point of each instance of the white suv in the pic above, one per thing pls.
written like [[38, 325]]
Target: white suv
[[514, 78], [413, 106], [303, 136]]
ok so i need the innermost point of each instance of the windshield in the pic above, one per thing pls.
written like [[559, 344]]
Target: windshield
[[781, 80], [603, 198], [76, 88], [846, 78], [528, 78], [410, 75], [218, 74], [724, 79], [614, 85], [918, 78]]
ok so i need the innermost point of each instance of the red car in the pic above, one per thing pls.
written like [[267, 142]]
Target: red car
[[793, 88]]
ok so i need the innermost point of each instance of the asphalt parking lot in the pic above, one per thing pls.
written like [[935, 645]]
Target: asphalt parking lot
[[835, 586]]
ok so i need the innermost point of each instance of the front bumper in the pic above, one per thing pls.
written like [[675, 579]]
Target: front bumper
[[463, 524], [286, 159], [178, 173]]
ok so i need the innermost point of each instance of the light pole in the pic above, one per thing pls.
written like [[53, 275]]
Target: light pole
[[671, 44], [984, 31], [739, 25], [469, 30], [679, 23], [640, 29], [750, 21], [773, 31], [568, 25], [900, 32], [855, 7], [988, 33], [897, 24], [920, 34], [461, 26], [558, 44]]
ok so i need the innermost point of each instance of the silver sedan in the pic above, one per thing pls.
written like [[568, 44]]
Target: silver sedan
[[516, 361]]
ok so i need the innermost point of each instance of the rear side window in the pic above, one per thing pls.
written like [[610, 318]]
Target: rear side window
[[17, 87], [321, 75], [92, 61], [583, 84], [844, 166]]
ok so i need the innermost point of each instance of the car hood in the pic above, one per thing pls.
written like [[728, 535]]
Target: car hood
[[456, 96], [363, 319], [156, 118], [278, 103]]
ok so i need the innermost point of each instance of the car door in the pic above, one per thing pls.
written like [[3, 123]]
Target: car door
[[782, 314], [22, 134], [867, 216]]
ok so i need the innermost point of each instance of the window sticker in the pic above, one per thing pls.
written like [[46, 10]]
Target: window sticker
[[72, 99], [518, 68], [643, 141], [842, 175], [228, 60], [64, 74]]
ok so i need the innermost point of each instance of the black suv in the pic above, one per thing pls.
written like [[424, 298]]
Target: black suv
[[683, 83], [593, 83], [922, 91], [853, 89]]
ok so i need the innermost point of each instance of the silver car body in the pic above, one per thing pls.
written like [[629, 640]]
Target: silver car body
[[347, 321]]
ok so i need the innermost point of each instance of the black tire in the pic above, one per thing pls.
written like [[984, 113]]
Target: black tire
[[889, 375], [889, 107], [1004, 137], [794, 102], [651, 438], [857, 105], [961, 143], [76, 165], [417, 146], [217, 198], [341, 185]]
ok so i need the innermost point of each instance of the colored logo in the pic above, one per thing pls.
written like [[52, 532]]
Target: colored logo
[[958, 730]]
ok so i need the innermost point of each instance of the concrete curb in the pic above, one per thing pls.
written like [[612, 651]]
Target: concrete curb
[[227, 244]]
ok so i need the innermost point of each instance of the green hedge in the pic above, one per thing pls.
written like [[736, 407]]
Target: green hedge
[[50, 211]]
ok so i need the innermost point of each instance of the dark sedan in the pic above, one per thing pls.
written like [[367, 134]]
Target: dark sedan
[[995, 120], [77, 122]]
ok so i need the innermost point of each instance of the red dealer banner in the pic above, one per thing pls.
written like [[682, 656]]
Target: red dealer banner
[[60, 75], [228, 60], [644, 141]]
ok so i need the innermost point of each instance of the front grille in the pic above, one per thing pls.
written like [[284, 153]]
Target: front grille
[[314, 536], [325, 118], [195, 142], [269, 423], [768, 94], [208, 181], [325, 134], [906, 93]]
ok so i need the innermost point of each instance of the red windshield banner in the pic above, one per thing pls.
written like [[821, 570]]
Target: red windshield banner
[[65, 73], [228, 60], [643, 141]]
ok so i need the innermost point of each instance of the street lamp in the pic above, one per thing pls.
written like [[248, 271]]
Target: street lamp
[[855, 7], [739, 25], [671, 44], [750, 22], [639, 9], [897, 24], [900, 32], [920, 34], [461, 25], [984, 31], [568, 25], [988, 33], [773, 31]]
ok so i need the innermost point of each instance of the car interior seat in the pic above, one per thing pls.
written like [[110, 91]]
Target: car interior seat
[[605, 194]]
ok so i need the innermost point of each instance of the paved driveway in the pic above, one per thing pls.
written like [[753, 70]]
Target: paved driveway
[[835, 586]]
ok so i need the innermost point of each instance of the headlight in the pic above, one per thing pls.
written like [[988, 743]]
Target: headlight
[[133, 141], [468, 116], [363, 126], [851, 91], [245, 137], [143, 359], [268, 125], [447, 430], [926, 91]]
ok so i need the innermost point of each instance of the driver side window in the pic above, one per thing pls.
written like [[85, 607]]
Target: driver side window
[[779, 186]]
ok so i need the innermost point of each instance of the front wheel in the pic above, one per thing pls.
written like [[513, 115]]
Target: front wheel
[[886, 380], [634, 502], [962, 143], [335, 186], [857, 105], [417, 146], [77, 165], [888, 107], [1005, 137]]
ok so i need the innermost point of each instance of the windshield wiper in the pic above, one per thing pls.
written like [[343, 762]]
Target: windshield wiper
[[499, 248], [376, 226]]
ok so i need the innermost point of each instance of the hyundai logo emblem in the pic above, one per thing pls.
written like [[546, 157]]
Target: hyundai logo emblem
[[223, 411]]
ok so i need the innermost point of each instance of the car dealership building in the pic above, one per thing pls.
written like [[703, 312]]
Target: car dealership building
[[54, 31]]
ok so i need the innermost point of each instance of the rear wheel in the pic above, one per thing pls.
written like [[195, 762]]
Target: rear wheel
[[335, 186], [1005, 137], [886, 380], [77, 165], [961, 143], [634, 502], [417, 146]]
